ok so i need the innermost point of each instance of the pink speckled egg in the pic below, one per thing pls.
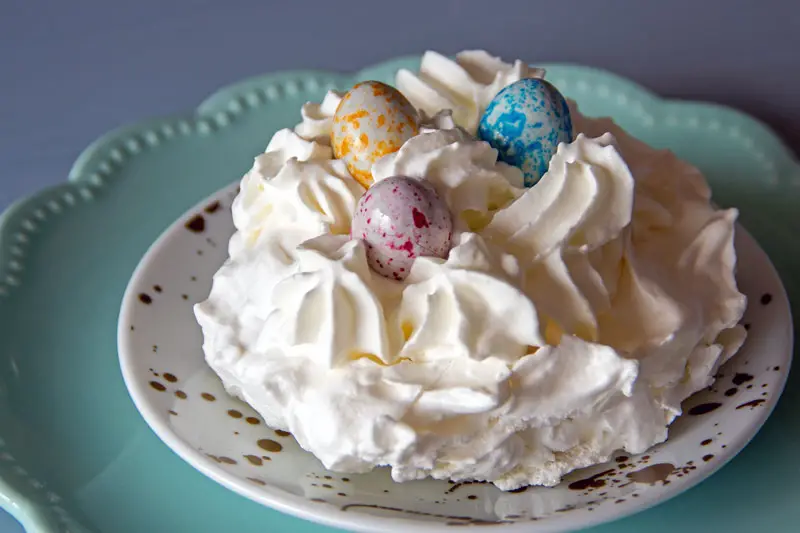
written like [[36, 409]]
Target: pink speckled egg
[[372, 120], [400, 219]]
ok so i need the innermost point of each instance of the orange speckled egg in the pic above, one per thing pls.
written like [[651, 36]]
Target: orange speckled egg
[[372, 120]]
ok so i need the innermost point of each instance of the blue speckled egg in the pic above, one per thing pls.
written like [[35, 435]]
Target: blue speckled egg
[[525, 122]]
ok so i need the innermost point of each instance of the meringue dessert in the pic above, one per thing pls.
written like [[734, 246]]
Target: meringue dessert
[[545, 329]]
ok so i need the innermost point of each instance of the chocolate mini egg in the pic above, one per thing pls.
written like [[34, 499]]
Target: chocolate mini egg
[[400, 219], [525, 122], [372, 120]]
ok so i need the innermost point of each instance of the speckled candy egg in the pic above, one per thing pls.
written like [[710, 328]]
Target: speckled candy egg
[[525, 122], [372, 120], [400, 219]]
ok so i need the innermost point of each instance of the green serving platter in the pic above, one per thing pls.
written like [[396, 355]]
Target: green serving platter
[[75, 455]]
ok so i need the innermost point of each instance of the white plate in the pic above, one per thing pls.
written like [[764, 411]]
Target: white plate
[[184, 403]]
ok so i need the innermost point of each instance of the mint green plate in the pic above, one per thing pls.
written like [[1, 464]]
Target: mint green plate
[[74, 453]]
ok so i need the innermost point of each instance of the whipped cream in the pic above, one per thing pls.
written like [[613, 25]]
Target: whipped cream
[[464, 86], [569, 320]]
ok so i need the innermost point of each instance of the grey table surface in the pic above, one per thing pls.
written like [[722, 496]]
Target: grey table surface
[[70, 71]]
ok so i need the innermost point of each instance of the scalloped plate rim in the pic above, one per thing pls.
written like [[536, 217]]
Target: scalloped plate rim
[[30, 514]]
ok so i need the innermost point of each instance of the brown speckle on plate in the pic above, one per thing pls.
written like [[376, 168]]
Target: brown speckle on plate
[[145, 298], [270, 445], [652, 474], [704, 408], [596, 481], [196, 224], [254, 460], [158, 386], [751, 404]]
